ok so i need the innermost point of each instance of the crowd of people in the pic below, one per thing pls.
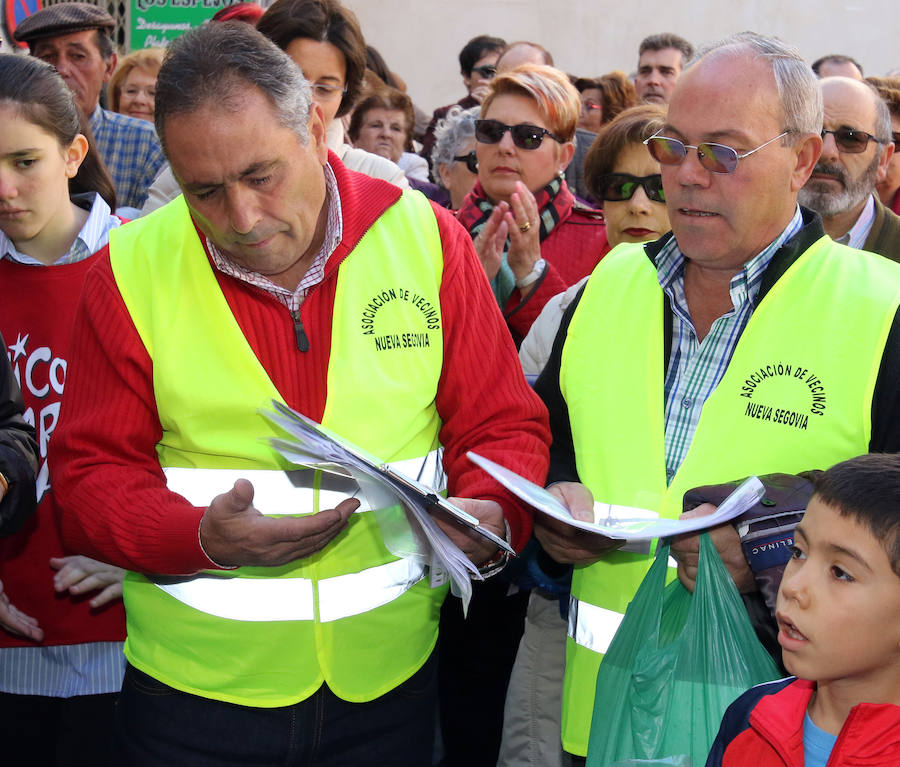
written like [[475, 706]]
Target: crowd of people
[[548, 273]]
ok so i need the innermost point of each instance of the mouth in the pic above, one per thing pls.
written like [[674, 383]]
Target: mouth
[[789, 636], [821, 178], [828, 173], [696, 213], [635, 231], [11, 212], [256, 244]]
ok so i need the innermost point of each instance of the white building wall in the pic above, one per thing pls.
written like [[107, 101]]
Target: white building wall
[[420, 39]]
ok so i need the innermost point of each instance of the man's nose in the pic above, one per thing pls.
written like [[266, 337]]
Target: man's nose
[[830, 149], [243, 212]]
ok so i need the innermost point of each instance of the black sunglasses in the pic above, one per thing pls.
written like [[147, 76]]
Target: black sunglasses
[[895, 137], [524, 136], [851, 141], [469, 159], [617, 187]]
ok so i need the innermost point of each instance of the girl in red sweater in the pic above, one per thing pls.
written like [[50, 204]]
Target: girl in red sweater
[[61, 616]]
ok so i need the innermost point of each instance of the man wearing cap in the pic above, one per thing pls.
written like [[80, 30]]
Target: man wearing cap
[[74, 38]]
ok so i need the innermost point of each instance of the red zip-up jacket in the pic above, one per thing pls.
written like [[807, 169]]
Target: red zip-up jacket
[[764, 728]]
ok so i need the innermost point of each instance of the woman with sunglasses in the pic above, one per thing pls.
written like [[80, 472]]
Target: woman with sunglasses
[[619, 171], [454, 164], [61, 632], [533, 240]]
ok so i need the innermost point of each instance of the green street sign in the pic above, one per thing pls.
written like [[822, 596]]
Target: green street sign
[[155, 23]]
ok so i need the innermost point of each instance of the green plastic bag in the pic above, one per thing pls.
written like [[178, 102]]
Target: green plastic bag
[[674, 666]]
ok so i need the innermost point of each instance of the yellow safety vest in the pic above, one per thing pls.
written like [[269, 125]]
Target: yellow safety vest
[[353, 615], [797, 395]]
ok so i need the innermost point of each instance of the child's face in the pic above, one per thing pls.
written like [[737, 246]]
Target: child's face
[[839, 603]]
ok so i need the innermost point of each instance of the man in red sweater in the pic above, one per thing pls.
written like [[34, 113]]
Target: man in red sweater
[[279, 274]]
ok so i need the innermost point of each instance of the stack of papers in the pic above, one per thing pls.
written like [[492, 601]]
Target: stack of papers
[[415, 534], [623, 522]]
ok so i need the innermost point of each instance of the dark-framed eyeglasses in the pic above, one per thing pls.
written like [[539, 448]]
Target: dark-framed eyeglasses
[[716, 158], [470, 159], [895, 138], [326, 91], [524, 135], [851, 141], [487, 71], [617, 187]]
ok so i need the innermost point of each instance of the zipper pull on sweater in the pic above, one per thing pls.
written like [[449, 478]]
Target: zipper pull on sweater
[[300, 332]]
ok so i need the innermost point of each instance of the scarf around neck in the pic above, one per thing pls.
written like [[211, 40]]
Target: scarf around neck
[[553, 201]]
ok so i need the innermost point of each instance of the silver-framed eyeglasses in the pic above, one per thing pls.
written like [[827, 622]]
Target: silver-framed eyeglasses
[[716, 158]]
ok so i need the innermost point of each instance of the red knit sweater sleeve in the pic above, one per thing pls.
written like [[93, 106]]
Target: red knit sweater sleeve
[[483, 398], [104, 446]]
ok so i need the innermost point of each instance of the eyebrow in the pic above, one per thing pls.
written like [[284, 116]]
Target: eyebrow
[[844, 126], [250, 170], [23, 152], [834, 548], [714, 136]]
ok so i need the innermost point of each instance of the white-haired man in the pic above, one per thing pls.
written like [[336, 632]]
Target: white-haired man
[[766, 343]]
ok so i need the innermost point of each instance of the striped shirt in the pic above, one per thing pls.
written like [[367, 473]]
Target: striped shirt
[[64, 671], [292, 299], [695, 368], [859, 232]]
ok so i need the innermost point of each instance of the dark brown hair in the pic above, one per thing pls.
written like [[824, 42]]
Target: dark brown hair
[[326, 21], [867, 489], [385, 98], [616, 92], [38, 93]]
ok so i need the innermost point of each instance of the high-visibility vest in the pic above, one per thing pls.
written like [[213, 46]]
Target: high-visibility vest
[[796, 395], [353, 615]]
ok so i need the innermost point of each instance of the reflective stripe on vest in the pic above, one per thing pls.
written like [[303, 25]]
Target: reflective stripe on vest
[[210, 388], [591, 626], [284, 599], [594, 627], [292, 492], [291, 599], [796, 393]]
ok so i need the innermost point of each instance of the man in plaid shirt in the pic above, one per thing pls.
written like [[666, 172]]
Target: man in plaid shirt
[[74, 38]]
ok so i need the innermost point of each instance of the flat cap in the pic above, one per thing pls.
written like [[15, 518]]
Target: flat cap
[[63, 19]]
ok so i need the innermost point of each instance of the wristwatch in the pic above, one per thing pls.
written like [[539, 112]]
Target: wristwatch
[[497, 562], [534, 275]]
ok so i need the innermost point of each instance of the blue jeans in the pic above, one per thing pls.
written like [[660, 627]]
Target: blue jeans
[[157, 726]]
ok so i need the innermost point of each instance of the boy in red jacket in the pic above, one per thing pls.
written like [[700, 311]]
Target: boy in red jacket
[[839, 628]]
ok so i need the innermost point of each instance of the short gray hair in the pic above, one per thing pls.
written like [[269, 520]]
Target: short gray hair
[[801, 99], [883, 125], [457, 126], [213, 63]]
